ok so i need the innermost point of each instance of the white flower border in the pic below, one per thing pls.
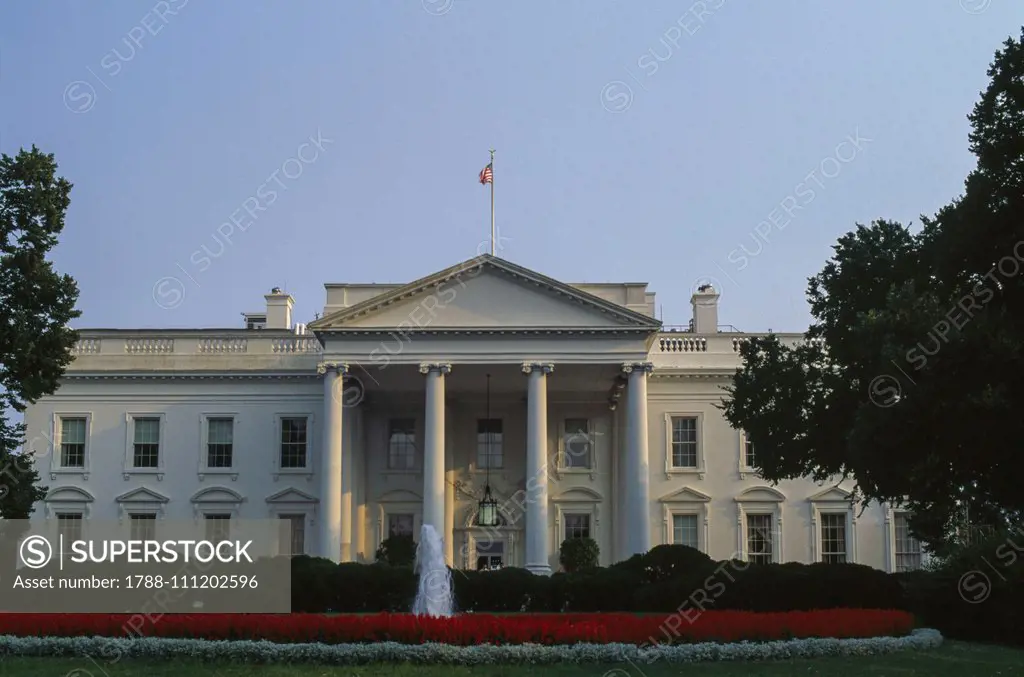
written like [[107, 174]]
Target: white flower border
[[111, 650]]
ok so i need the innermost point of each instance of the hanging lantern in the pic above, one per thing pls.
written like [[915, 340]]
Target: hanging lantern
[[488, 509]]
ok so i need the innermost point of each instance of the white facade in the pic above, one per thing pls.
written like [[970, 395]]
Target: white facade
[[373, 420]]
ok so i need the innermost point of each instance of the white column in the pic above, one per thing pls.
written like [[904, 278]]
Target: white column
[[330, 460], [347, 476], [449, 498], [433, 449], [637, 467], [537, 536]]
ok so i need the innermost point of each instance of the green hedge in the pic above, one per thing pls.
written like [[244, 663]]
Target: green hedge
[[666, 579]]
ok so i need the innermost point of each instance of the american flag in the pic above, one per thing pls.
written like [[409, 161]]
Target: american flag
[[486, 175]]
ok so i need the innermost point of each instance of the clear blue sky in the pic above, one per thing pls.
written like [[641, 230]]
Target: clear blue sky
[[169, 123]]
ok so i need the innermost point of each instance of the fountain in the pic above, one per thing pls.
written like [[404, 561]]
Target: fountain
[[434, 596]]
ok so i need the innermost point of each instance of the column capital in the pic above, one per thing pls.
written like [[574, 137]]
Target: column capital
[[339, 368], [540, 367], [630, 367], [439, 367]]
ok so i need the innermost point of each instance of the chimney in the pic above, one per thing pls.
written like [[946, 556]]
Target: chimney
[[279, 309], [705, 310]]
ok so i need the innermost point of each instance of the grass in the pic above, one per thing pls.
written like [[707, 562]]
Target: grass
[[953, 659]]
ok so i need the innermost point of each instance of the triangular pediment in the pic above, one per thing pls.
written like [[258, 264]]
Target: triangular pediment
[[291, 495], [761, 495], [833, 494], [485, 293], [142, 495], [685, 495]]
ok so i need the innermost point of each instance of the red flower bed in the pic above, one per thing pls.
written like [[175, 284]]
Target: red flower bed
[[469, 629]]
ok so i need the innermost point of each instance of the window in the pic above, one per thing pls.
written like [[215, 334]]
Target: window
[[577, 525], [684, 530], [908, 548], [69, 527], [400, 524], [759, 539], [218, 527], [146, 450], [489, 444], [749, 457], [294, 527], [684, 442], [293, 442], [143, 527], [72, 442], [256, 322], [833, 537], [220, 433], [489, 554], [402, 444], [578, 446]]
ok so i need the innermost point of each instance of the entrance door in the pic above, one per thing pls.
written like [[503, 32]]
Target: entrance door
[[490, 554]]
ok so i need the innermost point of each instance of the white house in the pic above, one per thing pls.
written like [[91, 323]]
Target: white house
[[375, 418]]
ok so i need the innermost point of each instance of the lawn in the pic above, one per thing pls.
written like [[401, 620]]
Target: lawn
[[954, 659]]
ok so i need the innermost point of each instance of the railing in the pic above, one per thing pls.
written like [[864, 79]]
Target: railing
[[297, 344], [671, 344], [223, 346], [149, 346], [719, 343], [108, 344], [89, 346]]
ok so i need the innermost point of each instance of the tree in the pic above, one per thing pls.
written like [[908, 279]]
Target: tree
[[36, 305], [913, 382]]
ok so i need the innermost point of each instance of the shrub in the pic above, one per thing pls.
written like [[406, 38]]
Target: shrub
[[398, 551], [976, 594], [593, 589], [578, 554], [502, 590], [669, 562], [159, 648]]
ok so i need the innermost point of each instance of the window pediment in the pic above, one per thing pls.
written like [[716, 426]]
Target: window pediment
[[69, 495], [762, 494], [142, 495], [833, 494], [217, 495], [291, 495], [578, 495], [685, 495]]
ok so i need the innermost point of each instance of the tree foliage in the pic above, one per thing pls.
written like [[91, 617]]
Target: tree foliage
[[913, 382], [36, 304]]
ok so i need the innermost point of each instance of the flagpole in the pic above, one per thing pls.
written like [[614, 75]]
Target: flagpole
[[492, 202]]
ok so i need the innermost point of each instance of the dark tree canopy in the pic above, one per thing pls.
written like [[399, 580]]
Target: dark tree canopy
[[36, 304], [918, 392]]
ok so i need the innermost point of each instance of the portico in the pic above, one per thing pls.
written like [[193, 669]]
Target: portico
[[533, 445], [419, 357]]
